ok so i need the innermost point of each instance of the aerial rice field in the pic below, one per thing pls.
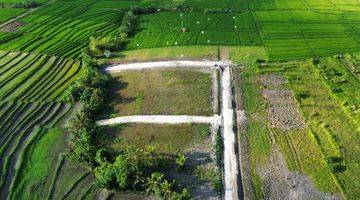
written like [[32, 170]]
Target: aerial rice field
[[21, 127], [8, 13], [40, 57], [58, 29], [288, 30], [35, 77]]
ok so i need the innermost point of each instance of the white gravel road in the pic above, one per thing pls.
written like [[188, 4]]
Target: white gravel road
[[230, 158], [161, 64], [162, 119]]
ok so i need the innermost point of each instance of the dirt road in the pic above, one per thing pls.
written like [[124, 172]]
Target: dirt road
[[230, 158], [162, 119], [162, 64]]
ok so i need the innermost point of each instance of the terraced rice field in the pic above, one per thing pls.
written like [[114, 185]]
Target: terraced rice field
[[35, 77], [62, 28], [8, 13], [20, 128], [288, 30], [47, 170]]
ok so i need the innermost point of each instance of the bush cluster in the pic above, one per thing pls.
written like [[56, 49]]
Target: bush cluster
[[103, 46]]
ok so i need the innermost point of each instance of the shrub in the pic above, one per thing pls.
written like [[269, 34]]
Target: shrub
[[338, 168], [180, 161]]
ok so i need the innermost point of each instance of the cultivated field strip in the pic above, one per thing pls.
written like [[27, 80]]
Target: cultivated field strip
[[35, 77], [164, 29], [18, 131]]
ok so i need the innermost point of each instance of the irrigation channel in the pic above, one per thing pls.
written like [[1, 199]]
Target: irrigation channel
[[232, 182]]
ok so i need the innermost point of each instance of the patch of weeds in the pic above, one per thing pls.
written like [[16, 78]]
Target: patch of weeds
[[168, 75], [139, 99], [204, 131], [212, 175]]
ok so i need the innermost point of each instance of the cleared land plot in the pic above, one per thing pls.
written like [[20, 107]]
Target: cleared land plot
[[35, 77], [172, 92], [168, 139], [192, 140]]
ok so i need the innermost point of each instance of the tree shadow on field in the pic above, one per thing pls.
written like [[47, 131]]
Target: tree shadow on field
[[109, 135], [114, 97]]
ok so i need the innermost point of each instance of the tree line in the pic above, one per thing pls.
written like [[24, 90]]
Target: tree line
[[131, 168]]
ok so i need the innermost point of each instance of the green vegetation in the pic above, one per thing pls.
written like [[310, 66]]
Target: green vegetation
[[35, 77], [324, 151], [334, 126], [167, 139], [59, 29], [165, 53], [48, 69], [159, 92], [19, 125], [8, 13]]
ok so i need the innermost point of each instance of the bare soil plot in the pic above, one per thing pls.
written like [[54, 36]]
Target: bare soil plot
[[283, 113], [280, 183]]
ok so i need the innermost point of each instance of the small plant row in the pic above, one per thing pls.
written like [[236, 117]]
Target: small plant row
[[18, 123], [35, 77]]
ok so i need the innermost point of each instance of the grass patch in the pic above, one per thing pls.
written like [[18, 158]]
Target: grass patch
[[165, 53], [159, 92], [169, 139]]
